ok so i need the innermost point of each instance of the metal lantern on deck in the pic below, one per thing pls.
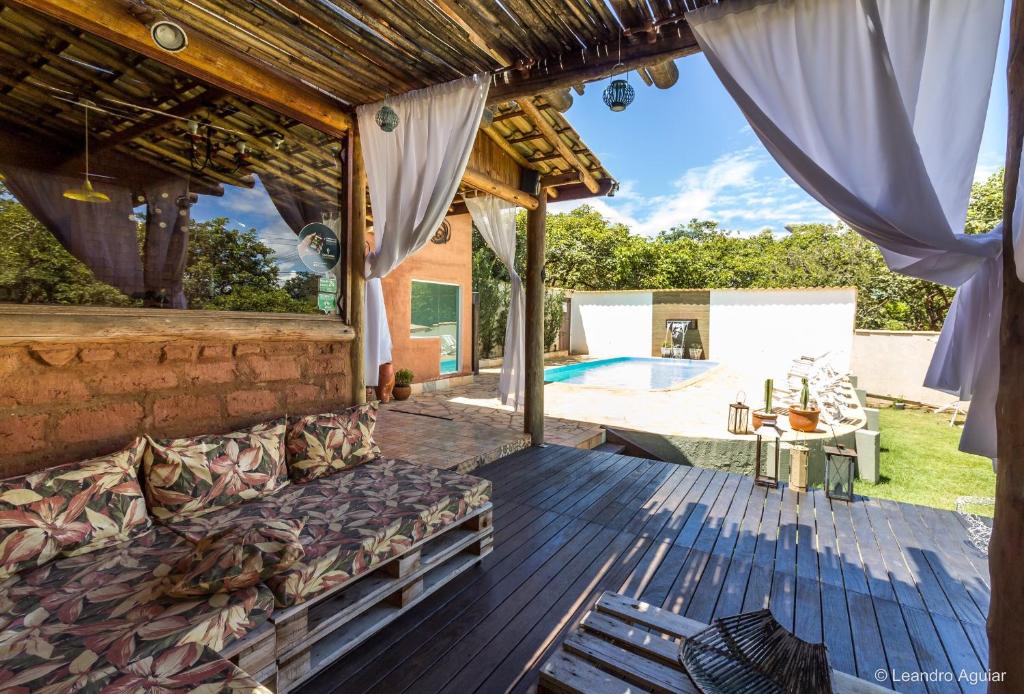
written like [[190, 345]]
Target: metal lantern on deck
[[739, 416], [387, 119], [840, 470], [766, 465]]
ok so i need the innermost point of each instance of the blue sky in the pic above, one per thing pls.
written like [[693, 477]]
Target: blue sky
[[688, 152]]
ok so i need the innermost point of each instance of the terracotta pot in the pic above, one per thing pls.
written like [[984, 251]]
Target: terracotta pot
[[761, 418], [385, 382], [803, 420], [402, 392]]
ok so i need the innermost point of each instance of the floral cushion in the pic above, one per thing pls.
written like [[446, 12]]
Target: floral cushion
[[107, 614], [354, 520], [239, 557], [322, 444], [71, 509], [195, 476]]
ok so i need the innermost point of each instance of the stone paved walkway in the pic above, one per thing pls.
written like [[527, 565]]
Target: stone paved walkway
[[465, 427]]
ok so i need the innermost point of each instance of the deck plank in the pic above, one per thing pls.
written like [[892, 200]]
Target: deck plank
[[570, 524]]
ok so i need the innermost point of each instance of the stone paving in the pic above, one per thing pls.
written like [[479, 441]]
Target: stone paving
[[466, 426]]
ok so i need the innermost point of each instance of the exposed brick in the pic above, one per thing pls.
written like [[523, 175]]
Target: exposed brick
[[269, 369], [57, 355], [244, 348], [253, 402], [329, 364], [176, 409], [336, 388], [181, 351], [140, 351], [288, 349], [100, 423], [22, 434], [93, 355], [10, 361], [132, 381], [45, 388], [301, 396], [208, 374], [215, 352]]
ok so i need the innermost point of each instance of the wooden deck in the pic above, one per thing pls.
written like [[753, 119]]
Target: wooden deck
[[887, 586]]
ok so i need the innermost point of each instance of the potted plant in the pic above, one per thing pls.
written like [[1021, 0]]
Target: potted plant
[[666, 349], [403, 384], [805, 417], [898, 403], [765, 415], [696, 352]]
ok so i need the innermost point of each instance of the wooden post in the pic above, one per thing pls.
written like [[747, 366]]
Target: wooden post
[[1006, 610], [533, 409], [356, 186]]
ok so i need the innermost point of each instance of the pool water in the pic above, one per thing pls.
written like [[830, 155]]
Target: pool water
[[636, 373]]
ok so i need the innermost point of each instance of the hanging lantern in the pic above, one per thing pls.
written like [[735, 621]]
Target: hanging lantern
[[840, 469], [618, 95], [766, 464], [486, 118], [387, 119], [798, 454], [739, 416]]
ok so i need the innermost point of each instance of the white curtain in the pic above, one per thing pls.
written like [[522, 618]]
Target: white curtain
[[496, 220], [876, 108], [413, 174]]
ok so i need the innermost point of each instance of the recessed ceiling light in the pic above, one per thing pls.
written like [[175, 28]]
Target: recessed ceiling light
[[169, 36]]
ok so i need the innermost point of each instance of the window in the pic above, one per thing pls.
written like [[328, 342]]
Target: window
[[208, 202], [435, 313]]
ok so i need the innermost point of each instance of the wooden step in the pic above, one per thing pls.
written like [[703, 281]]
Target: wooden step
[[616, 448]]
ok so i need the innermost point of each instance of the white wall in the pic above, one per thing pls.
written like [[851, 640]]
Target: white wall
[[765, 329], [893, 364], [614, 324]]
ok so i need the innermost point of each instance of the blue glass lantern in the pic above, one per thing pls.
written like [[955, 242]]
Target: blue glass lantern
[[618, 95], [387, 119]]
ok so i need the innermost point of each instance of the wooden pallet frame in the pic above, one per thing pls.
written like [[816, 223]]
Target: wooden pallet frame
[[312, 635], [256, 654]]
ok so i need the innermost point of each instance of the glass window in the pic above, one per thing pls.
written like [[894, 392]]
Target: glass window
[[435, 313]]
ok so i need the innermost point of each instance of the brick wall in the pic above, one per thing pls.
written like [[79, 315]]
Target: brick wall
[[67, 402]]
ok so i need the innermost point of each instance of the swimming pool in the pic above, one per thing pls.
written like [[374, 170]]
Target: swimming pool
[[636, 373]]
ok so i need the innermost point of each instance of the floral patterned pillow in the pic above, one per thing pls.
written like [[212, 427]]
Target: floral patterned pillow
[[238, 558], [322, 444], [71, 509], [190, 477]]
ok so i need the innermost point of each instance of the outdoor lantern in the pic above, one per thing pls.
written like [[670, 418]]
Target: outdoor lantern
[[618, 95], [739, 416], [766, 466], [840, 469], [387, 119]]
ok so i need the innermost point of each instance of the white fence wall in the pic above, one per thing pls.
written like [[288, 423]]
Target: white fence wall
[[765, 329], [893, 364], [611, 323]]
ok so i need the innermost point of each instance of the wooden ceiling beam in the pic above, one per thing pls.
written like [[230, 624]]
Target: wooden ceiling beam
[[482, 182], [184, 109], [205, 59], [507, 147], [456, 11], [672, 42], [552, 136]]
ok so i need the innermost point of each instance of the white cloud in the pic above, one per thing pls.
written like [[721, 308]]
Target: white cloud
[[743, 190]]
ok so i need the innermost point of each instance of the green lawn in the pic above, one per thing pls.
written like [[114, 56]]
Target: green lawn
[[922, 465]]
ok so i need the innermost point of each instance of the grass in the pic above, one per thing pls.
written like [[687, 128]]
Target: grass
[[921, 463]]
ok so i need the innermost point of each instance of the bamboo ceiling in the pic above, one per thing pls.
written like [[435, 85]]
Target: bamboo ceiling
[[46, 65]]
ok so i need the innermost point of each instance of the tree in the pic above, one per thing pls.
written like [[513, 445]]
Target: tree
[[232, 270], [36, 269], [985, 209]]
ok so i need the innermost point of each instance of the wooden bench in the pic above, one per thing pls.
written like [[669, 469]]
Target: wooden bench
[[621, 646]]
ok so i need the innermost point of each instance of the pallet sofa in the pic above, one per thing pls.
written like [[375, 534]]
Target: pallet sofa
[[241, 562]]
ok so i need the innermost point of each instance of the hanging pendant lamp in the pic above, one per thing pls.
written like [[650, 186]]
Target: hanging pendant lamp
[[387, 119], [86, 193], [619, 94]]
